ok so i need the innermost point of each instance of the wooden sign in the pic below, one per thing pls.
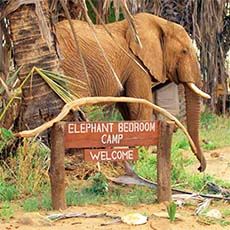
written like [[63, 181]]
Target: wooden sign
[[108, 134], [117, 154]]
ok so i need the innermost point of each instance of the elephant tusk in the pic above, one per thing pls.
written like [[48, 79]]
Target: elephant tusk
[[195, 89]]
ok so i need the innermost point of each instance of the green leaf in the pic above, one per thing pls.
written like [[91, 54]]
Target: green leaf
[[171, 209], [6, 134]]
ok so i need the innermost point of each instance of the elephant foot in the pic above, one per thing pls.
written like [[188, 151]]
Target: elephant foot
[[203, 165]]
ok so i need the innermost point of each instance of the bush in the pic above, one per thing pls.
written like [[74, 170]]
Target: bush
[[8, 192]]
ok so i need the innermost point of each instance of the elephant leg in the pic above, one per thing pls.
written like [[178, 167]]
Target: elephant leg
[[123, 109], [155, 114], [139, 87]]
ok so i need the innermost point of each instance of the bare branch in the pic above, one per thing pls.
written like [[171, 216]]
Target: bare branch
[[74, 105]]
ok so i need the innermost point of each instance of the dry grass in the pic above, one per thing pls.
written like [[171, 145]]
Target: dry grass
[[28, 169]]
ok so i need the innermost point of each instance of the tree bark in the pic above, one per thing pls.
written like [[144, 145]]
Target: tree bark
[[39, 102]]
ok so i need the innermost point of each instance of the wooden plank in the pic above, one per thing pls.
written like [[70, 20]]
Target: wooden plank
[[117, 154], [108, 134], [57, 169], [164, 192]]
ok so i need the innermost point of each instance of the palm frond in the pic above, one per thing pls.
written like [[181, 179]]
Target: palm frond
[[59, 83]]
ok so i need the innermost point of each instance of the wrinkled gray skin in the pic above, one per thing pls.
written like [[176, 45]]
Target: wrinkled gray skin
[[167, 54]]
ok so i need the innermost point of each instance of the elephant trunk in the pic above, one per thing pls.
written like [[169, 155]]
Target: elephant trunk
[[193, 121]]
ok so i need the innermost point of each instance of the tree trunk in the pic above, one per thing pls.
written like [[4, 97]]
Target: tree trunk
[[39, 102]]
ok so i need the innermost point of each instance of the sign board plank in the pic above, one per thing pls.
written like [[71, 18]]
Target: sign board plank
[[108, 134], [117, 154]]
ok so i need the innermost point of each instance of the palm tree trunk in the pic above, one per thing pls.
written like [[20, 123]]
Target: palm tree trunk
[[39, 102]]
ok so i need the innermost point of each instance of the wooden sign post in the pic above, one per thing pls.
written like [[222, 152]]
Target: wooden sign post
[[103, 137]]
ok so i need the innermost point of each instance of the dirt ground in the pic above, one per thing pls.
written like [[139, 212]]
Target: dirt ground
[[218, 162]]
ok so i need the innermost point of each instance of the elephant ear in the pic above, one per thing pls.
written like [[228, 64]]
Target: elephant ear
[[151, 53]]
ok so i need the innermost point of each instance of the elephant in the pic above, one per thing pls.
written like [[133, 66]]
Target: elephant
[[164, 54]]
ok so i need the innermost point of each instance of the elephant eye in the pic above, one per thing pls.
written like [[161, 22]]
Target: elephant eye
[[184, 51]]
